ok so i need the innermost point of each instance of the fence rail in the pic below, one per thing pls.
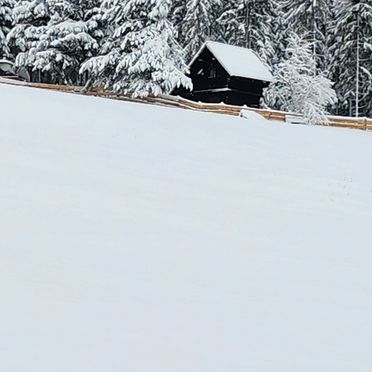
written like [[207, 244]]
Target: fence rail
[[179, 102]]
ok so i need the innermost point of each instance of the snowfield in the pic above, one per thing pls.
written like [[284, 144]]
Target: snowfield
[[146, 239]]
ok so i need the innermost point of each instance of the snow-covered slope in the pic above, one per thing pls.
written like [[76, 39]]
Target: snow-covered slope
[[138, 238]]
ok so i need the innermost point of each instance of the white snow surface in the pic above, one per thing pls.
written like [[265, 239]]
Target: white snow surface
[[140, 238], [238, 61]]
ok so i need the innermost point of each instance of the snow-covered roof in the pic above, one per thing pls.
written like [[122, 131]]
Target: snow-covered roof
[[6, 66], [237, 61], [6, 62]]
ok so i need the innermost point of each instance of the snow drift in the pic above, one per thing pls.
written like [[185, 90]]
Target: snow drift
[[139, 238]]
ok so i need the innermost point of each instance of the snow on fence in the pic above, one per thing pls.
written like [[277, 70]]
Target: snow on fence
[[179, 102]]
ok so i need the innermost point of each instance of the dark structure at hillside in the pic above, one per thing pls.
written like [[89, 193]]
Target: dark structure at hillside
[[225, 73]]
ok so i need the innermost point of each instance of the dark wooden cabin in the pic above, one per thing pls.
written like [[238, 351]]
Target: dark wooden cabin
[[226, 73]]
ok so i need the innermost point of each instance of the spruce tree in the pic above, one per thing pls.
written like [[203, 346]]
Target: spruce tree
[[55, 41], [177, 15], [143, 57], [313, 19], [29, 19], [254, 24], [266, 34], [198, 25], [352, 57], [231, 19], [6, 19]]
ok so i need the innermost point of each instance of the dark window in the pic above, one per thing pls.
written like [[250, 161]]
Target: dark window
[[212, 72]]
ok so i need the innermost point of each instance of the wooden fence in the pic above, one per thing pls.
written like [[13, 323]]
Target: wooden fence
[[179, 102]]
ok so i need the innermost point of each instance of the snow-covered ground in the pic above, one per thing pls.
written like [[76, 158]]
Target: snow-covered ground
[[145, 239]]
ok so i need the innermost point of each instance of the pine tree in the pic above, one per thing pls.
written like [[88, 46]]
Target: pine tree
[[352, 57], [298, 87], [144, 57], [6, 19]]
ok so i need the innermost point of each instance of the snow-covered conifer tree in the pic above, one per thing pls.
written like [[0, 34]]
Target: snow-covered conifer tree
[[6, 19], [143, 57], [90, 11], [313, 18], [298, 87], [177, 15], [55, 41], [352, 56], [253, 24], [29, 18], [198, 24], [231, 20], [59, 52], [266, 33]]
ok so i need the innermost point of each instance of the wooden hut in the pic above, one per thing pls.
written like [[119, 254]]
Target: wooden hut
[[226, 73]]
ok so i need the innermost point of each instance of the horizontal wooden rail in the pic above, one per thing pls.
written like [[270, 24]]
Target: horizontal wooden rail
[[179, 102]]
